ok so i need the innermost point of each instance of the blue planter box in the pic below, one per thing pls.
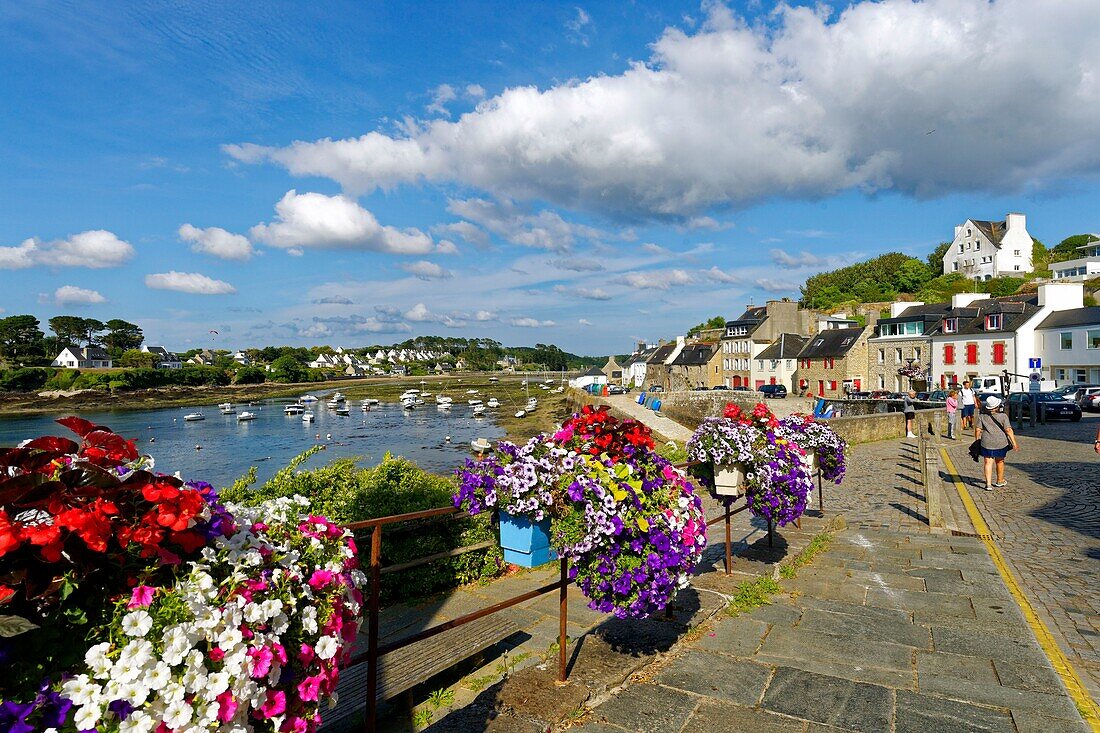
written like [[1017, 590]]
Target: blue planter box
[[525, 543]]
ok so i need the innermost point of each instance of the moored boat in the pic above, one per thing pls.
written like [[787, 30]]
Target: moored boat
[[194, 417], [246, 416]]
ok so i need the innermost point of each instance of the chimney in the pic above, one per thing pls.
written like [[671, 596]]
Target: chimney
[[1015, 221], [680, 340], [1061, 296], [961, 300], [958, 229]]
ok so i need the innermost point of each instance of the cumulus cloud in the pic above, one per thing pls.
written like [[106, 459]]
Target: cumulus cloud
[[483, 316], [426, 270], [420, 313], [577, 264], [720, 276], [531, 323], [657, 279], [583, 292], [804, 106], [94, 249], [776, 286], [333, 300], [314, 220], [517, 224], [72, 295], [441, 95], [188, 282], [470, 232], [794, 261], [475, 91], [217, 242]]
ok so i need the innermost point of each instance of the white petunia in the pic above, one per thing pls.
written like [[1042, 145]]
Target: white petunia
[[327, 647], [81, 690], [178, 714], [87, 716], [138, 722], [159, 676], [137, 623]]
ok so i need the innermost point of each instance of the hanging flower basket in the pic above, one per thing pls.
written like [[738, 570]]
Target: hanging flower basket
[[134, 601], [631, 524], [816, 438], [729, 478], [525, 543], [809, 458]]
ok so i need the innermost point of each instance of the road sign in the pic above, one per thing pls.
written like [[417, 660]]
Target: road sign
[[1036, 382], [1035, 363]]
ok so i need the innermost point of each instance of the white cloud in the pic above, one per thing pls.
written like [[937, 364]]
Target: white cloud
[[441, 95], [517, 224], [472, 233], [333, 300], [483, 316], [335, 222], [577, 264], [579, 27], [720, 276], [777, 286], [188, 282], [420, 313], [584, 322], [656, 279], [803, 106], [655, 249], [794, 261], [94, 249], [217, 242], [583, 292], [426, 270], [446, 247], [475, 91], [708, 223], [531, 323], [72, 295]]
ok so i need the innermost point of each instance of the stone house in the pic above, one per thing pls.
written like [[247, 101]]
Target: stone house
[[778, 363], [902, 340], [612, 371], [657, 368], [834, 362], [753, 331], [983, 250], [634, 368], [697, 365]]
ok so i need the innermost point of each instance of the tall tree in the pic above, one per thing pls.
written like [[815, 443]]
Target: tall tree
[[935, 260], [20, 337], [122, 336], [92, 329], [68, 329]]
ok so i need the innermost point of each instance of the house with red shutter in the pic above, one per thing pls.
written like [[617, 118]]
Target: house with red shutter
[[833, 363], [981, 336]]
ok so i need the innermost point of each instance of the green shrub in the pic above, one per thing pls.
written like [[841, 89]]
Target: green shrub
[[24, 379], [63, 379], [250, 375], [346, 493]]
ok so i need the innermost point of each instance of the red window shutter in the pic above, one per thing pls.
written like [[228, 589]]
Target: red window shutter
[[971, 353], [948, 354], [998, 353]]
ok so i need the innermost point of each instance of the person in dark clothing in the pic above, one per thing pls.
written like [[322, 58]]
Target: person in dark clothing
[[910, 411], [994, 432]]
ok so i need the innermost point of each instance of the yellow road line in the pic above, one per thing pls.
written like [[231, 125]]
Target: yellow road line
[[1077, 690]]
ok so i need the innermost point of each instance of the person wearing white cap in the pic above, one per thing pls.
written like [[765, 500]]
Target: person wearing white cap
[[994, 433]]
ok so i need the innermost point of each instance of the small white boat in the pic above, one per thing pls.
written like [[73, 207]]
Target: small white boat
[[246, 416], [479, 410], [558, 390], [194, 417], [343, 411], [443, 400], [409, 394], [548, 381], [425, 394], [227, 408], [521, 413], [471, 391], [443, 406], [307, 417], [370, 401], [294, 409], [332, 404], [309, 398], [474, 402], [493, 403], [494, 379], [408, 404], [523, 383], [338, 397], [480, 445]]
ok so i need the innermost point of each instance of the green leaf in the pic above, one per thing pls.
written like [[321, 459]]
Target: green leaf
[[14, 626]]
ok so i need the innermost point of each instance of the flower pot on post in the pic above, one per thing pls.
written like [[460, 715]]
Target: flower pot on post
[[729, 479], [525, 543], [810, 461]]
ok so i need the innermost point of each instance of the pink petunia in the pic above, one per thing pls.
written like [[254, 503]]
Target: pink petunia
[[142, 597], [309, 688], [227, 706], [320, 578], [261, 661], [306, 654], [275, 704]]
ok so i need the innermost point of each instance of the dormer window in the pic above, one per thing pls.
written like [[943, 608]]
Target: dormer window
[[993, 322], [950, 325]]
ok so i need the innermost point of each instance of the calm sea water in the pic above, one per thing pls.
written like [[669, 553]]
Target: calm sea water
[[229, 447]]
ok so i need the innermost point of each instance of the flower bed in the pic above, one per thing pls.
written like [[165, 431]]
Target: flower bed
[[772, 453], [631, 524], [133, 601]]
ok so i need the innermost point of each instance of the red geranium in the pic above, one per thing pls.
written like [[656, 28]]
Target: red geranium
[[596, 431]]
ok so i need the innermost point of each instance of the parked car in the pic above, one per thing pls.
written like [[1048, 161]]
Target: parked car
[[924, 396], [1069, 391], [1091, 403], [879, 394], [1084, 395], [700, 389], [720, 386], [773, 391], [740, 389], [656, 388], [616, 389], [1052, 405], [939, 395], [859, 396]]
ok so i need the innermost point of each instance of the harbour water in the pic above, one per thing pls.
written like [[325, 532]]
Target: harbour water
[[229, 447]]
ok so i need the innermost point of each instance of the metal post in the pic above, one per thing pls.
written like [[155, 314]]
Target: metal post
[[729, 549], [820, 493], [372, 626], [771, 534], [563, 617]]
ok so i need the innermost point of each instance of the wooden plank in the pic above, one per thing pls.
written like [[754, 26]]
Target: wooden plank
[[403, 669]]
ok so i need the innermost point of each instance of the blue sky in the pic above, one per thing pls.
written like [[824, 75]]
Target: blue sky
[[356, 173]]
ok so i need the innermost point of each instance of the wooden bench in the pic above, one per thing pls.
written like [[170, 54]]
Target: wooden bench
[[405, 668]]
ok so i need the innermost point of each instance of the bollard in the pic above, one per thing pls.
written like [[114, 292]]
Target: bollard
[[931, 486]]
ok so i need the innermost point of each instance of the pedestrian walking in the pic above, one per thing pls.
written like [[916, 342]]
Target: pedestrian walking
[[967, 406], [995, 436], [910, 413], [952, 413]]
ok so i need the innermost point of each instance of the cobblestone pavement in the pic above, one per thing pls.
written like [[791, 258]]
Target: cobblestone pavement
[[1047, 522], [883, 632]]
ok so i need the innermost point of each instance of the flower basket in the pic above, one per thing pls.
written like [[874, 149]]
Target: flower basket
[[729, 479], [811, 462], [525, 543]]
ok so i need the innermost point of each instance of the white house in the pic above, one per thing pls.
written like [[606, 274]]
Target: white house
[[777, 363], [1069, 345], [241, 358], [590, 377], [981, 336], [634, 368], [1082, 268], [983, 250], [167, 360], [90, 357], [324, 361]]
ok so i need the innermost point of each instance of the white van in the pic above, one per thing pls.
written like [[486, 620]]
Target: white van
[[994, 385]]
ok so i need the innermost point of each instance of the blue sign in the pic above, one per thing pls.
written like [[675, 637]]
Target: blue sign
[[1036, 363]]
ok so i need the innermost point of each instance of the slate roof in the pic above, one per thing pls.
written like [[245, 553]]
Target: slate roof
[[787, 346], [833, 343], [1074, 317], [695, 354], [994, 230], [593, 372], [661, 353], [1017, 311], [93, 353]]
